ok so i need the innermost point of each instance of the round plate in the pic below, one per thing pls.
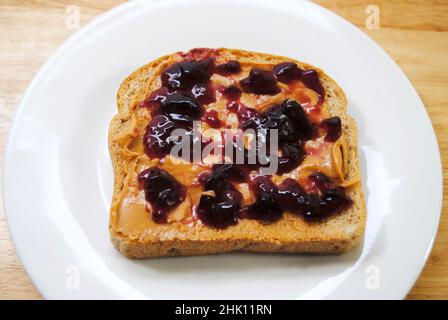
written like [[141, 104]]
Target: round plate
[[58, 176]]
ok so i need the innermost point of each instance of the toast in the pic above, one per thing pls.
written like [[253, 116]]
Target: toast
[[134, 230]]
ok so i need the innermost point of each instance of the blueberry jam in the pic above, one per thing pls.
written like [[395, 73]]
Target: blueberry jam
[[310, 79], [228, 68], [184, 75], [173, 110], [292, 197], [260, 82], [266, 206], [162, 191], [292, 156], [204, 93], [155, 99], [331, 202], [319, 182], [244, 113], [181, 104], [231, 93], [288, 118], [293, 127], [313, 207], [156, 138], [212, 119], [291, 121], [221, 209], [333, 127], [287, 72], [222, 173], [302, 127]]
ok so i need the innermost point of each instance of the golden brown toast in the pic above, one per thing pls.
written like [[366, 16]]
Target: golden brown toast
[[136, 235]]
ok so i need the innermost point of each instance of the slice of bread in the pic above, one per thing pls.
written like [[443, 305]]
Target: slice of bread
[[291, 234]]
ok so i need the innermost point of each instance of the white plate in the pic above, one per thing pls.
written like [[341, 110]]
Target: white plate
[[58, 176]]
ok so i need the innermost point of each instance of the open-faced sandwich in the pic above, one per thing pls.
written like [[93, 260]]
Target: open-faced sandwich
[[302, 194]]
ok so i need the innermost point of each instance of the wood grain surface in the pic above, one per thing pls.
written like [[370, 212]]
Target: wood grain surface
[[414, 33]]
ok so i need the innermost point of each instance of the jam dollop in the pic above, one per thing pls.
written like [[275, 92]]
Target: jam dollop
[[231, 93], [313, 207], [204, 93], [333, 127], [266, 206], [221, 209], [319, 182], [292, 197], [291, 120], [332, 202], [184, 75], [288, 118], [292, 125], [260, 81], [228, 68], [171, 111], [292, 156], [156, 141], [310, 79], [162, 191], [212, 119], [287, 72], [181, 104]]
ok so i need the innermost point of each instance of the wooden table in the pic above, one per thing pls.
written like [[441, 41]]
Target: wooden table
[[414, 33]]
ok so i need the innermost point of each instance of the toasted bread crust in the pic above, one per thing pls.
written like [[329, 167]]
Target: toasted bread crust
[[289, 235]]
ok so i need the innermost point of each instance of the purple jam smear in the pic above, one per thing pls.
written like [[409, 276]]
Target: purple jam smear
[[244, 113], [331, 203], [184, 75], [232, 93], [333, 126], [204, 93], [321, 181], [162, 191], [312, 207], [157, 140], [223, 173], [221, 211], [287, 72], [293, 127], [181, 104], [292, 196], [292, 156], [212, 119], [228, 68], [288, 118], [260, 82], [310, 79], [266, 206]]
